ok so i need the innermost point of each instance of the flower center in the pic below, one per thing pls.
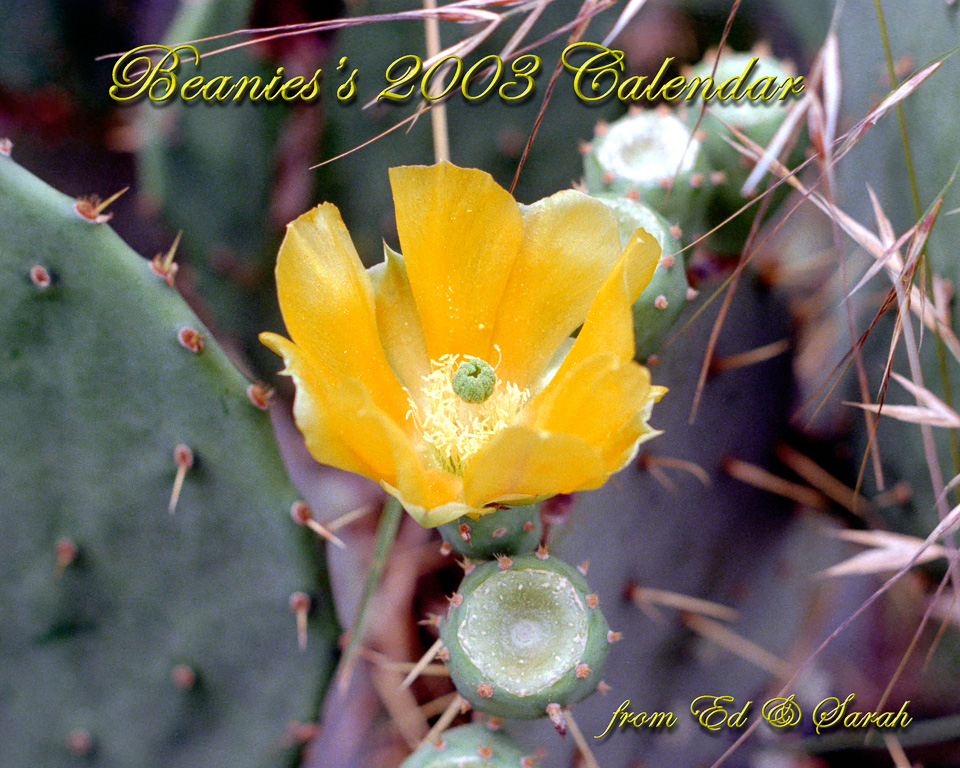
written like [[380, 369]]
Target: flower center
[[463, 406], [474, 381]]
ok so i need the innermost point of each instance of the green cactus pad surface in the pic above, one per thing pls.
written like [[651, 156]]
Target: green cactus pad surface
[[133, 636], [469, 746], [524, 634], [758, 118], [210, 169]]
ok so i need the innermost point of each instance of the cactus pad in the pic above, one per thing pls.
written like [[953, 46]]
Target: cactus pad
[[133, 636]]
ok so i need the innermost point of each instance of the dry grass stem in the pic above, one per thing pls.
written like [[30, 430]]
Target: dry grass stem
[[438, 114], [589, 761], [587, 11], [631, 9], [888, 552], [930, 409]]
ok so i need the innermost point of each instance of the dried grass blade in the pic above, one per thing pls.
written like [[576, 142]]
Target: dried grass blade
[[907, 87], [912, 414], [882, 559], [626, 15], [950, 520]]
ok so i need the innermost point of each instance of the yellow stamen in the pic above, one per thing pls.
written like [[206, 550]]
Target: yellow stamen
[[456, 429]]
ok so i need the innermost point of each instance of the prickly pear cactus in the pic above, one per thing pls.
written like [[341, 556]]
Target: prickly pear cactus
[[654, 157], [658, 307], [757, 118], [210, 170], [133, 635], [680, 163], [469, 746]]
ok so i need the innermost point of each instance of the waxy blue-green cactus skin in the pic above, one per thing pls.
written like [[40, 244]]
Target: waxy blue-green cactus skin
[[158, 639], [652, 156], [210, 170], [758, 119]]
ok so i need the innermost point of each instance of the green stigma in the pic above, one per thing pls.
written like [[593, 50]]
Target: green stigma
[[474, 381]]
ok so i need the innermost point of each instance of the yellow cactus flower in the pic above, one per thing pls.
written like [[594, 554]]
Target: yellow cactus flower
[[448, 373]]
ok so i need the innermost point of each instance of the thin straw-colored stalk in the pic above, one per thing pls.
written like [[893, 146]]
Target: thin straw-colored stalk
[[589, 761], [386, 533], [438, 112]]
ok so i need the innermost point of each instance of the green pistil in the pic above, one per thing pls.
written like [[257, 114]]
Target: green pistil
[[474, 381]]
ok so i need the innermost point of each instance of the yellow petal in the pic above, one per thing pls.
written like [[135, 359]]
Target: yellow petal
[[622, 446], [595, 401], [344, 428], [398, 321], [328, 439], [430, 495], [430, 518], [609, 323], [328, 306], [519, 461], [570, 245], [460, 233]]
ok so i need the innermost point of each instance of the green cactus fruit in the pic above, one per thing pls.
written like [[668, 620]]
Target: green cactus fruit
[[758, 119], [524, 634], [662, 301], [510, 531], [470, 746], [131, 635], [651, 155]]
